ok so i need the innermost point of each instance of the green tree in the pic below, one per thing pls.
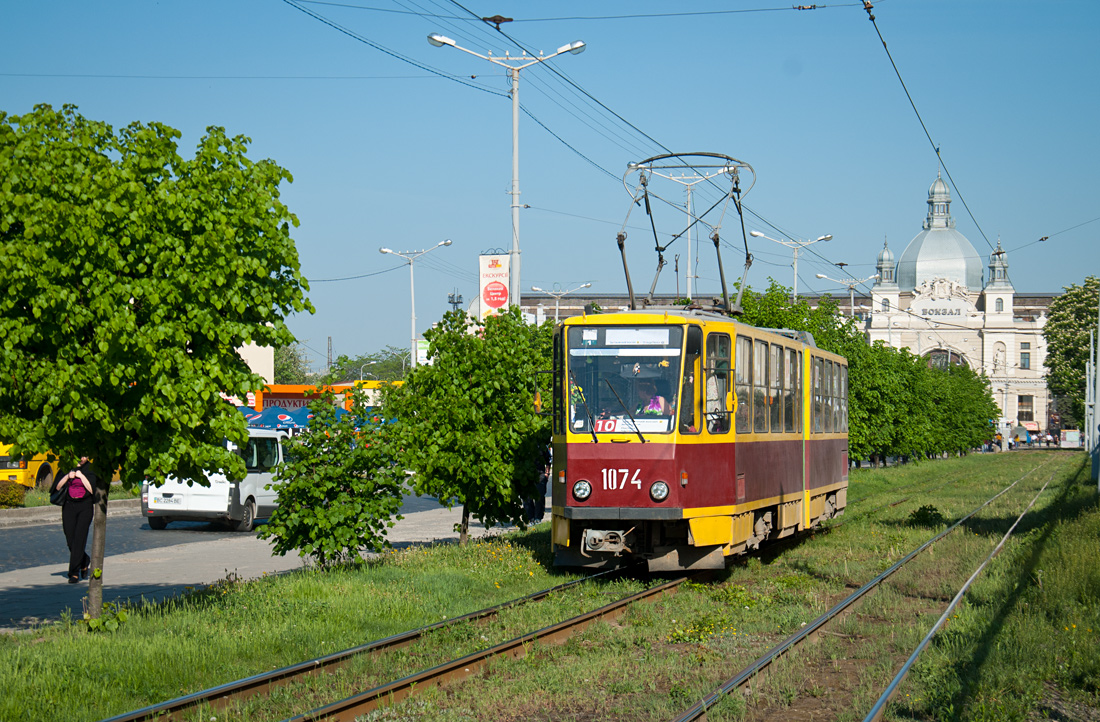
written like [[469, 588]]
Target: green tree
[[132, 276], [291, 365], [340, 488], [466, 423], [389, 364], [1069, 320]]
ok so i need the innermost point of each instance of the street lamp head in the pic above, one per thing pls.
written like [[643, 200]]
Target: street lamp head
[[576, 47], [536, 288], [828, 237], [444, 243], [440, 40], [586, 285], [384, 250], [821, 275], [756, 234]]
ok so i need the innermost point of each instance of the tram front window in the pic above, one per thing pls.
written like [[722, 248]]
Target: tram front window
[[619, 372]]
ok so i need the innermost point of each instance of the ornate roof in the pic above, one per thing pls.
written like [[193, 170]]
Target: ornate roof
[[939, 251]]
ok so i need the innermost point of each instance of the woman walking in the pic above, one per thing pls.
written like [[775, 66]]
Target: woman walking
[[76, 516]]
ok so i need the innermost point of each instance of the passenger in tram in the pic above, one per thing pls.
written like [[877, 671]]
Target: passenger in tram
[[652, 402]]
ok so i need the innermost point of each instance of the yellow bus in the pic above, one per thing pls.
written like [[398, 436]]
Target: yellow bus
[[35, 471]]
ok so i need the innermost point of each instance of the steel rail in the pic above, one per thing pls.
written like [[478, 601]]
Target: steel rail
[[880, 706], [224, 694], [348, 709], [699, 709]]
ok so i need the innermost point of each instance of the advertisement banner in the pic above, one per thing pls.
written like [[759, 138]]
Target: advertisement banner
[[493, 271]]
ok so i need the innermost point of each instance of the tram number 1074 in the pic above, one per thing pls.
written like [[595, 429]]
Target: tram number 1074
[[615, 479]]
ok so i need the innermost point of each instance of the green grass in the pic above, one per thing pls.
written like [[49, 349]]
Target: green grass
[[1030, 625]]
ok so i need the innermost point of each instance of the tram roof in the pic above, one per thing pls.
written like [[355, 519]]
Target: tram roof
[[663, 313]]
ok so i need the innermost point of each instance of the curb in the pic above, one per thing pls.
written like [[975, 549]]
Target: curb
[[51, 514]]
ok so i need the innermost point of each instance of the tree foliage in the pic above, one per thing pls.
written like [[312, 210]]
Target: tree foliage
[[291, 365], [339, 489], [389, 364], [897, 405], [1070, 318], [466, 423], [132, 276]]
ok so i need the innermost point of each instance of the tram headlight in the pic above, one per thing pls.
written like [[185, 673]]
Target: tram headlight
[[658, 491], [582, 490]]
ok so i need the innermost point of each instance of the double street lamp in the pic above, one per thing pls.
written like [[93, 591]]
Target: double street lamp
[[513, 65], [851, 283], [558, 294], [411, 256], [797, 246]]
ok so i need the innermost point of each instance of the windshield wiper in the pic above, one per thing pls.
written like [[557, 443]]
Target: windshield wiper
[[636, 429], [584, 402]]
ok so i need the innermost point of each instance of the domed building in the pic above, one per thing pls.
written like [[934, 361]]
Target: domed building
[[937, 302]]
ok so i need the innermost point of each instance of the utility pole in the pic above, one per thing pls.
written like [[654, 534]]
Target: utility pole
[[411, 256], [851, 283], [797, 246], [328, 364], [513, 65]]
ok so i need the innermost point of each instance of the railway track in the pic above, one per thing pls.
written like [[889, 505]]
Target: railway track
[[810, 631], [228, 694], [346, 710]]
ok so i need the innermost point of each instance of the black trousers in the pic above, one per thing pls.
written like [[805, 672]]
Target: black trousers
[[76, 519]]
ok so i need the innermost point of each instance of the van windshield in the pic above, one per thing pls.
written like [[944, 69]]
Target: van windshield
[[260, 454]]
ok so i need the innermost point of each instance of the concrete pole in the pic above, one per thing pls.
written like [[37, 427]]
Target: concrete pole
[[794, 286], [513, 272], [412, 306], [690, 224]]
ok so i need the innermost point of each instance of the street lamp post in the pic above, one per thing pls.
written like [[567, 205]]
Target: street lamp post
[[411, 256], [513, 65], [851, 283], [797, 246], [368, 363], [558, 294]]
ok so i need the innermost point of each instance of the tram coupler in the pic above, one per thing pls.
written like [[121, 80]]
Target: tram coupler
[[607, 541]]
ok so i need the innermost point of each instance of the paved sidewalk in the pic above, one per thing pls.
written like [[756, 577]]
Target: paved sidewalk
[[38, 594]]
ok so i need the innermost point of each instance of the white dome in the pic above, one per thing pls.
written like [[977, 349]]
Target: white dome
[[939, 251]]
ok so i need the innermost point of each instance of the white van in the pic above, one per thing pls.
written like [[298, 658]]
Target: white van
[[238, 503]]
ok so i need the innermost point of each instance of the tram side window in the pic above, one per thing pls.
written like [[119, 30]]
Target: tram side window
[[743, 370], [689, 390], [844, 399], [836, 398], [760, 388], [775, 397], [819, 404], [800, 384], [790, 395], [718, 382], [827, 387]]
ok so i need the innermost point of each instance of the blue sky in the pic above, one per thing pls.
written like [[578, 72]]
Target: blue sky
[[386, 153]]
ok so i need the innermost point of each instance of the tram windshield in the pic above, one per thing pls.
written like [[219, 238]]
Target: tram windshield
[[619, 372]]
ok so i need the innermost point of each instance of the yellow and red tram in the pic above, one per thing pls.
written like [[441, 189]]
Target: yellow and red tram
[[682, 436]]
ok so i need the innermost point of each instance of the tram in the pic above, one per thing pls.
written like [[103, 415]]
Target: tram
[[682, 437]]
